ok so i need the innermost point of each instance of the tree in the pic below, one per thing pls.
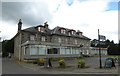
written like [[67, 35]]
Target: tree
[[94, 43], [113, 48], [7, 47]]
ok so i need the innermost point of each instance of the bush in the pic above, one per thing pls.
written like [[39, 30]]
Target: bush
[[61, 63], [41, 62], [35, 61], [60, 58], [81, 63]]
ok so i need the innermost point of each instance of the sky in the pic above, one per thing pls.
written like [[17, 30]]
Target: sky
[[85, 15]]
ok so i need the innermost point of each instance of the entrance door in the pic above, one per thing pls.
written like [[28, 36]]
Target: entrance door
[[52, 51]]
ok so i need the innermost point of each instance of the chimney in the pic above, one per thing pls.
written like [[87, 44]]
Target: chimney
[[19, 25], [46, 25]]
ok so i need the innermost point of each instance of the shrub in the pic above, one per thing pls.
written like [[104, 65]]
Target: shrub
[[40, 62], [61, 63], [35, 61], [80, 57], [81, 63], [60, 58]]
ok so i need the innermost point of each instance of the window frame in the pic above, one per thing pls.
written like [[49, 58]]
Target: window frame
[[40, 29], [63, 31], [32, 37], [43, 38]]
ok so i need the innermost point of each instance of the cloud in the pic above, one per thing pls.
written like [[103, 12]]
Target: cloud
[[85, 15], [88, 16], [32, 13]]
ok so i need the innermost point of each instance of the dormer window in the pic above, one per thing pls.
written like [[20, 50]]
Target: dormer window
[[63, 31], [40, 29], [73, 32], [69, 33], [79, 33]]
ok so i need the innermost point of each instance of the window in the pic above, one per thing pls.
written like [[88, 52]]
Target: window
[[42, 50], [40, 29], [63, 31], [77, 51], [80, 34], [26, 50], [75, 41], [33, 51], [66, 40], [43, 38], [32, 37], [59, 40], [69, 33], [62, 51], [73, 32], [52, 51], [68, 51]]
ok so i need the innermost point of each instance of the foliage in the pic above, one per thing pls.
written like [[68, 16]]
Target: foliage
[[62, 63], [60, 58], [7, 47], [41, 62], [80, 57], [81, 63], [113, 49], [35, 61]]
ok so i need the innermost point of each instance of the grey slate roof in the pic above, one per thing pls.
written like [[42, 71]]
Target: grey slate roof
[[55, 31], [34, 30]]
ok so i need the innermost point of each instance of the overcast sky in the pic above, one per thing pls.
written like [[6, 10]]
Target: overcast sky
[[85, 15]]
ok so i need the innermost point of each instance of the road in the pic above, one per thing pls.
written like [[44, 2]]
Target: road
[[11, 67]]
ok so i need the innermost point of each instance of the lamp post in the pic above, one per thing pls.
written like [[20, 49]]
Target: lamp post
[[99, 50]]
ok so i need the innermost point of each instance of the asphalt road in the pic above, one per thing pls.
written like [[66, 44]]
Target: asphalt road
[[11, 67]]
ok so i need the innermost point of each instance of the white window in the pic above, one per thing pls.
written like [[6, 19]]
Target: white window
[[63, 31], [59, 40], [32, 37], [69, 33], [75, 41], [73, 32], [43, 38], [68, 51], [62, 51], [80, 34], [73, 51], [66, 40], [33, 51], [77, 51], [42, 51], [40, 29], [83, 52], [87, 52]]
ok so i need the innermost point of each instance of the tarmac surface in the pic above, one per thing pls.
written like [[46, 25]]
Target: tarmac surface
[[11, 66], [92, 66]]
